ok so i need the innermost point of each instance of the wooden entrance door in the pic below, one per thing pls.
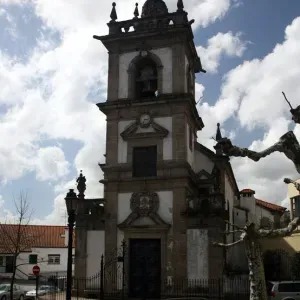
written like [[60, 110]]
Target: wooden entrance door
[[144, 268]]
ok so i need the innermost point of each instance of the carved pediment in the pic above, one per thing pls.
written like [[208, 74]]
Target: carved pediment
[[144, 206], [203, 175], [136, 131]]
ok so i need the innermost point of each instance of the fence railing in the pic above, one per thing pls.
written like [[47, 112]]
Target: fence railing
[[90, 288]]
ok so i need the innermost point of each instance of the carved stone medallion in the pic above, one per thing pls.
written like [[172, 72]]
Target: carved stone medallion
[[144, 203]]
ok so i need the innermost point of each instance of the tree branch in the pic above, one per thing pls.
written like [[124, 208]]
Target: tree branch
[[288, 144], [296, 184], [227, 245], [294, 111], [282, 232]]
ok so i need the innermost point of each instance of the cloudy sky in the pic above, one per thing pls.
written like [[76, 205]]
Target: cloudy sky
[[52, 73]]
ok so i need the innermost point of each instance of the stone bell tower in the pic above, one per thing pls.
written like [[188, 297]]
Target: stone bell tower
[[151, 129]]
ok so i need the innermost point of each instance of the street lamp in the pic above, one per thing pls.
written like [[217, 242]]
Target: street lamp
[[71, 203]]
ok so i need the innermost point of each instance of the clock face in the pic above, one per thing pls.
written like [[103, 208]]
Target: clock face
[[145, 120]]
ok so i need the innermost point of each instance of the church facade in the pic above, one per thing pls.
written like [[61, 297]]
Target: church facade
[[165, 194]]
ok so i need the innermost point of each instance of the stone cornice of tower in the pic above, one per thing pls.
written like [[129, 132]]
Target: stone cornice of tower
[[106, 107]]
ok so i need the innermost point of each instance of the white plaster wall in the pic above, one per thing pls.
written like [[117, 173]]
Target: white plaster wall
[[164, 211], [260, 212], [202, 162], [42, 253], [165, 55], [197, 257], [166, 122], [95, 248], [122, 145], [190, 153], [249, 203]]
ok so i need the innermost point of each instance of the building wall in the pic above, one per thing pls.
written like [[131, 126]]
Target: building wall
[[95, 248], [202, 162], [165, 55], [250, 204], [46, 268], [165, 122], [260, 213], [236, 256], [197, 254], [190, 152]]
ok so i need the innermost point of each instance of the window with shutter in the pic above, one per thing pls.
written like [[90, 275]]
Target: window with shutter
[[33, 259], [144, 161]]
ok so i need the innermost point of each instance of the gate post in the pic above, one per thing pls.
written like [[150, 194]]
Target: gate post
[[102, 278], [123, 268]]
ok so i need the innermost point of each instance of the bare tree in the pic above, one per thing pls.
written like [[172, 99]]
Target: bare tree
[[250, 235], [16, 237]]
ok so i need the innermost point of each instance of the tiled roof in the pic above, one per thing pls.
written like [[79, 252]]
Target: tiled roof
[[31, 236], [247, 191], [271, 206]]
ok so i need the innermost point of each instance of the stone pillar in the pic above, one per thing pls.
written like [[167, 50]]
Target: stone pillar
[[111, 231], [80, 255], [113, 77], [112, 141], [179, 249], [179, 136], [216, 257]]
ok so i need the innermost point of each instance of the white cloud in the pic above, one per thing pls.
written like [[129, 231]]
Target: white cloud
[[221, 44], [47, 97], [51, 164], [252, 92]]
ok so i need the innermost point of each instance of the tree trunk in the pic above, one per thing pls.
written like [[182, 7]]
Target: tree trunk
[[258, 289], [11, 293]]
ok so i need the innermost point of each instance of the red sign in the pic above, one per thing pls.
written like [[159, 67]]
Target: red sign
[[36, 270]]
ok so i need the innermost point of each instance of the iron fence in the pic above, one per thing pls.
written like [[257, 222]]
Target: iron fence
[[90, 288]]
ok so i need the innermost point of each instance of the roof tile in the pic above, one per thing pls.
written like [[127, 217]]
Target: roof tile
[[271, 206], [31, 236]]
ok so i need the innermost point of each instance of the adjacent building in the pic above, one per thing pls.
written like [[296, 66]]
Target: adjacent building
[[45, 246]]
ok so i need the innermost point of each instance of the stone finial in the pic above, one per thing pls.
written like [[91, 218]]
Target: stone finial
[[180, 5], [113, 14], [218, 135], [136, 11], [81, 186]]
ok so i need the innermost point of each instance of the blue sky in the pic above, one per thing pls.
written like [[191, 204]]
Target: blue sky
[[53, 72]]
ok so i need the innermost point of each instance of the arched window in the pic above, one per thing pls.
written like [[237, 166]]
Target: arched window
[[146, 79], [145, 76]]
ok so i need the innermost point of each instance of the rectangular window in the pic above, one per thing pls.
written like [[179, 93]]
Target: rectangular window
[[1, 261], [144, 161], [53, 259], [33, 259], [9, 264], [73, 259]]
